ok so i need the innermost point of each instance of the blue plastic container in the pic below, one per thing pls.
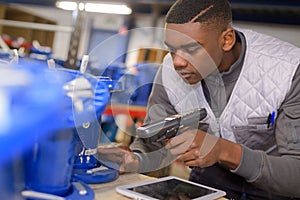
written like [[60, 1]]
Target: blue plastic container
[[128, 93], [114, 71], [29, 103], [87, 139], [145, 76], [11, 180], [49, 164], [51, 161], [28, 99]]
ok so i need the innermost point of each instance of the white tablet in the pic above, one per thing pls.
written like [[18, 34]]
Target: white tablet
[[169, 188]]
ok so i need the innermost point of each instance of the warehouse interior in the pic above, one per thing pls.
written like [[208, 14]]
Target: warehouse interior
[[117, 44]]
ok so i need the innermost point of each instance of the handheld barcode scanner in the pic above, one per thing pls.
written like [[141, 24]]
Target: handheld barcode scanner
[[171, 126]]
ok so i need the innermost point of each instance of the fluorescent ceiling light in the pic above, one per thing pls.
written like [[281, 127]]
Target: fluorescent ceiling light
[[96, 7], [108, 8], [66, 5]]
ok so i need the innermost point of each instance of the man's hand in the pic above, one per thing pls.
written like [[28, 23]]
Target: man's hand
[[121, 155], [197, 148]]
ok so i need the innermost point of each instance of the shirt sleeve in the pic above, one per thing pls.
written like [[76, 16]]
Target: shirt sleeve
[[159, 106], [278, 174], [151, 155]]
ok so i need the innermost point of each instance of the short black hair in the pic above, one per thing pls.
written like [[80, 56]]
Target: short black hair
[[209, 12]]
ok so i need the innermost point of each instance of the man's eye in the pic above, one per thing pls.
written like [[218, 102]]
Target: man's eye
[[172, 49], [192, 50]]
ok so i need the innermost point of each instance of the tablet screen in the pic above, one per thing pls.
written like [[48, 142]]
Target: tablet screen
[[172, 188]]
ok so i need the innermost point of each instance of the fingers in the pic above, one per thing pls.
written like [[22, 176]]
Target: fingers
[[209, 143], [193, 158], [189, 156], [131, 163], [125, 159], [200, 162], [182, 142], [113, 154], [204, 155], [177, 149]]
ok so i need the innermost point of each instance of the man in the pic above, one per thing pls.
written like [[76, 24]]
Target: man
[[249, 84]]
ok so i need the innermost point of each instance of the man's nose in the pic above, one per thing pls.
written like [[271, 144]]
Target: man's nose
[[179, 61]]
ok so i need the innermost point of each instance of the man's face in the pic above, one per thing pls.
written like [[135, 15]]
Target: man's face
[[196, 50]]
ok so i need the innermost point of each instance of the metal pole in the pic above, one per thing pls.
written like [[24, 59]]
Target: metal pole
[[78, 16]]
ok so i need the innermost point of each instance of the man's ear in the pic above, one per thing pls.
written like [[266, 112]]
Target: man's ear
[[228, 39]]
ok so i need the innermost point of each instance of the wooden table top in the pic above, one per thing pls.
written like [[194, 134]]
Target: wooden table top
[[107, 190]]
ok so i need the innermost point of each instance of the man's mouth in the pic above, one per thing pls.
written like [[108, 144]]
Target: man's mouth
[[185, 75]]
